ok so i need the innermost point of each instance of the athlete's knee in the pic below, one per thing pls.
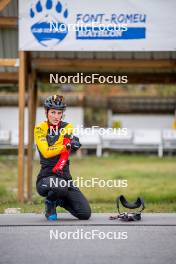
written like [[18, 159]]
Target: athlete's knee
[[84, 215]]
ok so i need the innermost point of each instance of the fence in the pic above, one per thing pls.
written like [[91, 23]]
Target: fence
[[133, 140]]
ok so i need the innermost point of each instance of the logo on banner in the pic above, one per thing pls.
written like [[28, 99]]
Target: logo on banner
[[42, 13], [111, 27]]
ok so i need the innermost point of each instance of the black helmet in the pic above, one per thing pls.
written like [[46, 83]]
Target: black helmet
[[55, 102]]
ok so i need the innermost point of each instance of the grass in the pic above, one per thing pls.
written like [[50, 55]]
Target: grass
[[149, 176]]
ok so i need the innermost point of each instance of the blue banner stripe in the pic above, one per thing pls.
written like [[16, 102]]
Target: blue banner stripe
[[95, 33]]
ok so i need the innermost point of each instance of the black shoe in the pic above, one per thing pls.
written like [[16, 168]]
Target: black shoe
[[50, 210]]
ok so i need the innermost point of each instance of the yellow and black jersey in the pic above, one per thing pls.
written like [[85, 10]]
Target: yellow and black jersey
[[49, 141]]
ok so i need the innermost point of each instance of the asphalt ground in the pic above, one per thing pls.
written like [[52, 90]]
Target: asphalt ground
[[30, 238]]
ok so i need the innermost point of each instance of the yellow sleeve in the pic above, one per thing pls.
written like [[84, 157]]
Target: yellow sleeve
[[42, 144]]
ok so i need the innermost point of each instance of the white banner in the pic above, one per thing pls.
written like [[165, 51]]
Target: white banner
[[94, 25]]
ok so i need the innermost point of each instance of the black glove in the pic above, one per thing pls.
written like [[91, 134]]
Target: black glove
[[75, 144]]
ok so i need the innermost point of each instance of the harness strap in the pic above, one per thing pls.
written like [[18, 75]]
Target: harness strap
[[137, 204], [129, 216]]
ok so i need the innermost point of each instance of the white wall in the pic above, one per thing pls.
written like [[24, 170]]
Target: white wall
[[75, 115], [9, 117], [143, 121]]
